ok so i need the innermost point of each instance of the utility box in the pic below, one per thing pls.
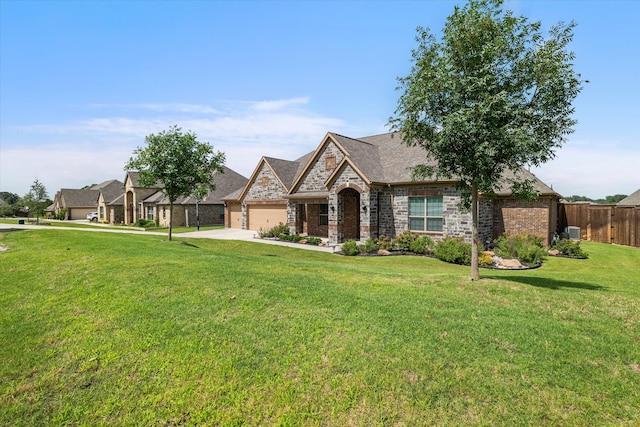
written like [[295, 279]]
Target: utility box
[[573, 232]]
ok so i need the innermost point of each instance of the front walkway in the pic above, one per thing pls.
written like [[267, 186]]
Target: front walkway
[[249, 236]]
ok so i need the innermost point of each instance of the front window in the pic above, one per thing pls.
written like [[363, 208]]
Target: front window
[[323, 218], [425, 213], [150, 213]]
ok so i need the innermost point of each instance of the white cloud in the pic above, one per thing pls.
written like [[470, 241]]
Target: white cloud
[[76, 153], [592, 169], [278, 104]]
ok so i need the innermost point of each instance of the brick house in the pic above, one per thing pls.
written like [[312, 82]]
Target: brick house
[[150, 203], [360, 188], [79, 202]]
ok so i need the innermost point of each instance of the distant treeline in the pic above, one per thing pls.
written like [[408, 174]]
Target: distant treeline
[[609, 200]]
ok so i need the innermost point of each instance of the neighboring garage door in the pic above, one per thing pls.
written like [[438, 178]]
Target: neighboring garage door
[[235, 215], [265, 217], [80, 213]]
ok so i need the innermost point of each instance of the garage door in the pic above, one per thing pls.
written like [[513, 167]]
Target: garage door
[[265, 217], [234, 212]]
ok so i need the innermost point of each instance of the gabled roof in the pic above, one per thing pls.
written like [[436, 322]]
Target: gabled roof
[[285, 172], [118, 201], [229, 181], [134, 176], [508, 177], [110, 190], [632, 199], [382, 159], [156, 197], [386, 159], [84, 198]]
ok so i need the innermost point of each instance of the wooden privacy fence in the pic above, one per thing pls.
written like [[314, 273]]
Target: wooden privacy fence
[[603, 223]]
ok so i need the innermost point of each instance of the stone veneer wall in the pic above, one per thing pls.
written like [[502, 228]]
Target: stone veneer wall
[[394, 213], [273, 191], [318, 174], [348, 179]]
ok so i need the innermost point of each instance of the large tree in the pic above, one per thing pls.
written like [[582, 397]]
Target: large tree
[[177, 161], [492, 95], [9, 203], [37, 200]]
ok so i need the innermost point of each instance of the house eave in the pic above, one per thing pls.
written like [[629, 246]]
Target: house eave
[[308, 195]]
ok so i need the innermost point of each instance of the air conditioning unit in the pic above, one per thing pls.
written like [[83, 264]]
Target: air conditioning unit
[[573, 232]]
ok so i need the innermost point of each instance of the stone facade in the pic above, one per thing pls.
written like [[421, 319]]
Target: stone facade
[[393, 204], [265, 186], [350, 218], [321, 170]]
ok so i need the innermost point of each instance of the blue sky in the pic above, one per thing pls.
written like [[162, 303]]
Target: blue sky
[[83, 82]]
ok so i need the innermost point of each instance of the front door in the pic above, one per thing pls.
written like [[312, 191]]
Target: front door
[[350, 214]]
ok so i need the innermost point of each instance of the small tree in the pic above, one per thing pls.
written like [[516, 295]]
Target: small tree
[[37, 200], [178, 161], [492, 96]]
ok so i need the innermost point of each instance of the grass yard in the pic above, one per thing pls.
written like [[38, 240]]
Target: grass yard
[[45, 222], [118, 329]]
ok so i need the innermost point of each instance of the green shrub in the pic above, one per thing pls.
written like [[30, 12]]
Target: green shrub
[[384, 242], [453, 250], [314, 241], [61, 214], [350, 248], [570, 248], [144, 223], [422, 245], [403, 241], [290, 237], [370, 246], [526, 248], [275, 231]]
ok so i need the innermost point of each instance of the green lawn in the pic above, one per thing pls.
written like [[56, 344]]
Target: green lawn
[[117, 329], [45, 222]]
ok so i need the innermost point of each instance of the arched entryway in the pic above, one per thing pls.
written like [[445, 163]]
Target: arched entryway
[[349, 200], [128, 208]]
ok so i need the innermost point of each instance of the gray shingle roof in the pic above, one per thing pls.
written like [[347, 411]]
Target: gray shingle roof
[[285, 170], [632, 199], [84, 198], [387, 159], [227, 182], [110, 190]]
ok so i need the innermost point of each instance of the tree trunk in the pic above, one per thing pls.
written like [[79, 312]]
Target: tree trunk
[[475, 270], [170, 217]]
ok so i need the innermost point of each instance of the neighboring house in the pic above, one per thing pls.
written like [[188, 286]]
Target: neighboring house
[[363, 188], [263, 202], [101, 198], [110, 201], [631, 200], [134, 195], [152, 204], [78, 203]]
